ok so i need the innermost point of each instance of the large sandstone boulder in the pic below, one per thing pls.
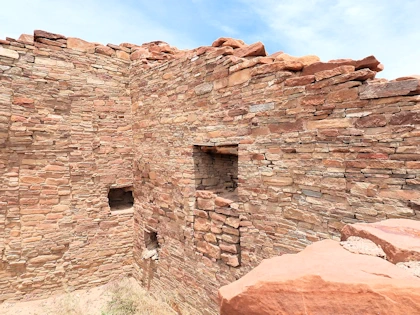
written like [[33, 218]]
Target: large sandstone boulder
[[323, 279]]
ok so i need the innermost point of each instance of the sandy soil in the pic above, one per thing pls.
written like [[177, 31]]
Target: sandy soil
[[80, 302]]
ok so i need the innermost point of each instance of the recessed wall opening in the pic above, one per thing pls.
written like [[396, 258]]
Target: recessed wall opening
[[120, 198], [151, 245], [216, 169]]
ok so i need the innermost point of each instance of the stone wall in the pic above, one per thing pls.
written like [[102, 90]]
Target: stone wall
[[294, 147], [319, 145], [65, 139]]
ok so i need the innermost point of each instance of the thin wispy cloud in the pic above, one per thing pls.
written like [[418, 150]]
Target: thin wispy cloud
[[329, 29], [104, 21], [345, 29]]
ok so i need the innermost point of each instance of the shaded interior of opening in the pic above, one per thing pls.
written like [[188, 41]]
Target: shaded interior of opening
[[151, 245], [120, 198], [216, 169]]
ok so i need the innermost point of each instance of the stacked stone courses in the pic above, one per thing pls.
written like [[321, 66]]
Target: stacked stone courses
[[318, 145]]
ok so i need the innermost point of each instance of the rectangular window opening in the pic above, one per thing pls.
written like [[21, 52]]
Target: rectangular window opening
[[216, 169], [121, 198]]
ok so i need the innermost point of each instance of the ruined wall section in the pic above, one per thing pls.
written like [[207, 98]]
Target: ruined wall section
[[319, 145], [65, 139]]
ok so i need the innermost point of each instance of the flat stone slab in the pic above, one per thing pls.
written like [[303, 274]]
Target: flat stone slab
[[398, 238], [358, 245], [323, 279]]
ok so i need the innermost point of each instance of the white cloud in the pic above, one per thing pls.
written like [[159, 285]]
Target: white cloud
[[346, 29], [93, 20], [330, 29]]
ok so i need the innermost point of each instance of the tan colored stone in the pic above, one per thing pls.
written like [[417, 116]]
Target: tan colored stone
[[9, 53], [239, 77], [222, 202], [26, 38], [329, 123], [231, 260], [80, 45], [201, 224]]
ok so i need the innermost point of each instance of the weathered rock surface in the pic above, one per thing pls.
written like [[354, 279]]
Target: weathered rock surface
[[358, 245], [253, 50], [399, 238], [323, 279], [78, 118]]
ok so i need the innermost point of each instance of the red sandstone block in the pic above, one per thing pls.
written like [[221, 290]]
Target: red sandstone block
[[256, 49], [372, 156], [44, 34], [344, 95], [326, 74], [24, 101], [313, 100], [222, 202], [388, 89], [286, 127], [104, 50], [226, 41], [405, 118], [371, 121], [31, 179], [298, 81]]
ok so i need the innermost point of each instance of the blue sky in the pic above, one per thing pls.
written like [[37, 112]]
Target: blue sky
[[331, 29]]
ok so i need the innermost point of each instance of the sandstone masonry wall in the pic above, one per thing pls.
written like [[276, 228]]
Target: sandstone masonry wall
[[295, 147], [319, 145], [65, 139]]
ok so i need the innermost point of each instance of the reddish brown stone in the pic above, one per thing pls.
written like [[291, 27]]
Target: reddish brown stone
[[48, 35], [296, 81], [253, 50], [222, 202], [237, 112], [22, 101], [104, 50], [286, 127], [225, 41], [369, 91], [369, 62], [371, 121], [405, 118]]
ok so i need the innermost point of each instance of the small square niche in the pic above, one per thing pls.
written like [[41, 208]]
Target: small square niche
[[216, 169], [121, 198], [151, 245]]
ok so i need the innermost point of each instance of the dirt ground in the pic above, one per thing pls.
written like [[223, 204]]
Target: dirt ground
[[123, 296], [89, 302]]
